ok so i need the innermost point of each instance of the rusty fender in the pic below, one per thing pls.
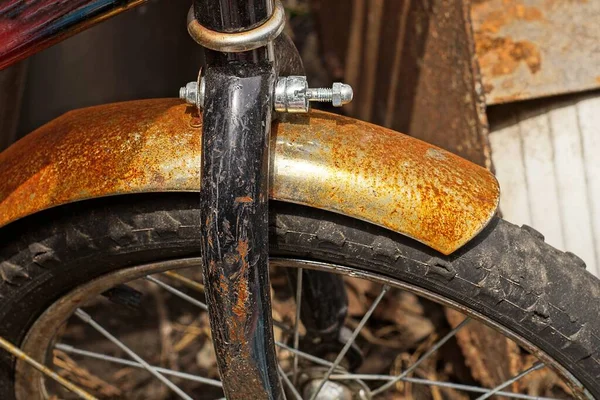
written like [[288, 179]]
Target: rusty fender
[[320, 160]]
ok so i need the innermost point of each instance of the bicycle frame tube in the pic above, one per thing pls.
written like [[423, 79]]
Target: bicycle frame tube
[[234, 203], [231, 15]]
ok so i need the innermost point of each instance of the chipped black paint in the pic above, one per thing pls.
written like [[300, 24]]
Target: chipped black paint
[[234, 215]]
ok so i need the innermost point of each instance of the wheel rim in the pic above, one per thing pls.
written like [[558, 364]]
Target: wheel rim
[[38, 342]]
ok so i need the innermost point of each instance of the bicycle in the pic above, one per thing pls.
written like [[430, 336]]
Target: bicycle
[[115, 200]]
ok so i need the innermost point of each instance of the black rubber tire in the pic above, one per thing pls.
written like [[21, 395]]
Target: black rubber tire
[[507, 273]]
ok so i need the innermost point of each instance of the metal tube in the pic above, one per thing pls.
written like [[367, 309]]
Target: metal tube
[[324, 305], [234, 232], [234, 203], [232, 15]]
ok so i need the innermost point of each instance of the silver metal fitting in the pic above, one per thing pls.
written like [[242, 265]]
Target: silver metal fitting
[[193, 93], [290, 95], [293, 95], [237, 42]]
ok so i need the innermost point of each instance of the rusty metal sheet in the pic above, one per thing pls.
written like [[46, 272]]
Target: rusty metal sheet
[[535, 48], [322, 160], [412, 65]]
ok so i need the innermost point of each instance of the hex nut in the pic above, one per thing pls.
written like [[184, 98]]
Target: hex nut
[[342, 94]]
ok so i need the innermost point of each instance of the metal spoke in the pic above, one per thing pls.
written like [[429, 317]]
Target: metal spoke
[[178, 293], [427, 382], [317, 360], [307, 356], [419, 381], [342, 353], [439, 344], [88, 320], [297, 325], [122, 361], [289, 383], [190, 283], [511, 381], [15, 351]]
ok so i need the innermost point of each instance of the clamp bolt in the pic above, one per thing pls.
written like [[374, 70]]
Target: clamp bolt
[[293, 95], [193, 93]]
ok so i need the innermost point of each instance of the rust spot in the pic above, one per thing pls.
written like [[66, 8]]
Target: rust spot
[[245, 199], [223, 285], [243, 250], [240, 307], [503, 55], [500, 54]]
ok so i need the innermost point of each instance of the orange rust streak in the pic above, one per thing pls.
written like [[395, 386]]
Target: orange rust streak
[[245, 199], [243, 250], [240, 308]]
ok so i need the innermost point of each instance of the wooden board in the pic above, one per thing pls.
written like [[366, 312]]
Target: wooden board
[[546, 158]]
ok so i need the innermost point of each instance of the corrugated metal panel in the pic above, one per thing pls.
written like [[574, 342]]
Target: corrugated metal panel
[[546, 159]]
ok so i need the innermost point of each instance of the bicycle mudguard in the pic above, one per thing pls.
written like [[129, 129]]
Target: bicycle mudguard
[[321, 160]]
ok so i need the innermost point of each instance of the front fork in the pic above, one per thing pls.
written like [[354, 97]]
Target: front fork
[[234, 212], [238, 104]]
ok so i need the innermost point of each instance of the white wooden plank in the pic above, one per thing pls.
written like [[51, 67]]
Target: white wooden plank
[[540, 175], [556, 185], [571, 181], [507, 156], [589, 123]]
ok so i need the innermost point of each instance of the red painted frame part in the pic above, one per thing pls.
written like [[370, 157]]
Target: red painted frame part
[[27, 27]]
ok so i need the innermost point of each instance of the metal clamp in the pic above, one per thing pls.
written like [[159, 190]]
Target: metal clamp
[[291, 94], [239, 41]]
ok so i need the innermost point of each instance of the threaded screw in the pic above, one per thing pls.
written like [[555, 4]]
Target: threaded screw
[[338, 95], [320, 95], [293, 95]]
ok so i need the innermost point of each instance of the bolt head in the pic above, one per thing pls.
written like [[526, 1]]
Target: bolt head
[[189, 93], [193, 93], [342, 94]]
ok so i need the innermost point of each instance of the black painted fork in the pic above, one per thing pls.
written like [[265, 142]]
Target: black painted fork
[[234, 207], [234, 203]]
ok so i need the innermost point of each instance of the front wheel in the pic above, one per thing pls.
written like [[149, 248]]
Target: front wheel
[[102, 260]]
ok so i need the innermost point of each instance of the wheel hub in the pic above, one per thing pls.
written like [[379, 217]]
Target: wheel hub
[[312, 379]]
